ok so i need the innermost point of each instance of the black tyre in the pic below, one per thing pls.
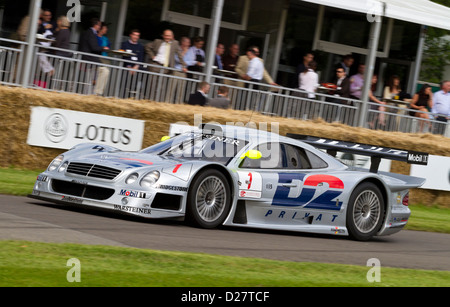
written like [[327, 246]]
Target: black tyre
[[365, 212], [209, 199]]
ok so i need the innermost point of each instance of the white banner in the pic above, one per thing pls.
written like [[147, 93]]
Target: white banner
[[59, 128], [436, 173]]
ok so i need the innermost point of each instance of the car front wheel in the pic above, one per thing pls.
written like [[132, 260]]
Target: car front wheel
[[209, 199]]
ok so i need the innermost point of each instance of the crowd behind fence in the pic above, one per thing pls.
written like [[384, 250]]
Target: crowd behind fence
[[71, 74]]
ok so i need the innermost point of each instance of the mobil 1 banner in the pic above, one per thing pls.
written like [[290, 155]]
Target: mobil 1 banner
[[59, 128]]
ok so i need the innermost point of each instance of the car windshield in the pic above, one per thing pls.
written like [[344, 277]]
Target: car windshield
[[199, 146]]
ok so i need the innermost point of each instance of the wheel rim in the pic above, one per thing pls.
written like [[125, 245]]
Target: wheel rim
[[366, 212], [211, 199]]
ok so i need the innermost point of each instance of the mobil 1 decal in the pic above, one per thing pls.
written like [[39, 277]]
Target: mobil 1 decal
[[313, 191]]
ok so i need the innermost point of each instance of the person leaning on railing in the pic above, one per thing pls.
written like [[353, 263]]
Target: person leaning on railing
[[422, 101]]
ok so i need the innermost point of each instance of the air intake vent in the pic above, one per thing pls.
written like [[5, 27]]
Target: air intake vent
[[81, 190], [93, 170]]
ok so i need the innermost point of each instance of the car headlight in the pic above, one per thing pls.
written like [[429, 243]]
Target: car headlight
[[132, 178], [150, 179], [56, 163], [63, 167]]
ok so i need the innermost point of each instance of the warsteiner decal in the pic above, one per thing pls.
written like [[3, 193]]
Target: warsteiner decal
[[132, 209]]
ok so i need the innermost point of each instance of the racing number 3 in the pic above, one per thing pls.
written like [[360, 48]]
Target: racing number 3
[[311, 192]]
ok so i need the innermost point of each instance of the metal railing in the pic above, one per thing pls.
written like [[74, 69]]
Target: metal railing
[[112, 78]]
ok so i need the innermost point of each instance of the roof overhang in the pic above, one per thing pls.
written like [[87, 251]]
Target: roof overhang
[[423, 12]]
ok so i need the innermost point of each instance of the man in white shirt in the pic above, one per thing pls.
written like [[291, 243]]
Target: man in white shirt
[[309, 80], [441, 107], [195, 56], [255, 69]]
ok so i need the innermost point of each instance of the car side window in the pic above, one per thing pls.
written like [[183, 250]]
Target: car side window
[[300, 158], [315, 161], [296, 157], [272, 157]]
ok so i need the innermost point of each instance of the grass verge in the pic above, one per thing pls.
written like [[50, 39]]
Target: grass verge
[[18, 182], [45, 265]]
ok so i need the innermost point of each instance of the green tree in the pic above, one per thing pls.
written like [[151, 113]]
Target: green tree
[[436, 55]]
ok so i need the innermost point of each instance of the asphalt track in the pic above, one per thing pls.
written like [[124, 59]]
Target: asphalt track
[[23, 218]]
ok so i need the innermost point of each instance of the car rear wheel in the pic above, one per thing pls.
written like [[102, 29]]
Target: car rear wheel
[[365, 212], [209, 199]]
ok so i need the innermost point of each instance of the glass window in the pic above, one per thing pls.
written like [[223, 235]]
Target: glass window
[[296, 157], [277, 156], [346, 28], [271, 157], [300, 158], [349, 28], [315, 161], [232, 9], [200, 8], [198, 146]]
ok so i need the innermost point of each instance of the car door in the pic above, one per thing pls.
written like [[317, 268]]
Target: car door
[[304, 183], [258, 178]]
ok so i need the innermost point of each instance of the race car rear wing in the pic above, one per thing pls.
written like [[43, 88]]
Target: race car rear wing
[[376, 153]]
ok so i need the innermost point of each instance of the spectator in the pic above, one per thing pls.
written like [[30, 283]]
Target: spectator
[[255, 69], [346, 63], [103, 40], [307, 58], [220, 49], [422, 101], [243, 63], [376, 119], [62, 36], [393, 90], [89, 44], [161, 52], [47, 26], [178, 86], [342, 82], [133, 45], [185, 44], [309, 80], [222, 101], [441, 107], [200, 97], [22, 30], [357, 83], [47, 32], [195, 57], [230, 59]]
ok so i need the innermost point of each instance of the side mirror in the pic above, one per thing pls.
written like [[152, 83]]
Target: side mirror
[[165, 138], [252, 154]]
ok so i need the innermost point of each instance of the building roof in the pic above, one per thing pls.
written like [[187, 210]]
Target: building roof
[[423, 12]]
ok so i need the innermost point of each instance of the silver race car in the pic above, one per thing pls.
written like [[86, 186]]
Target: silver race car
[[227, 175]]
